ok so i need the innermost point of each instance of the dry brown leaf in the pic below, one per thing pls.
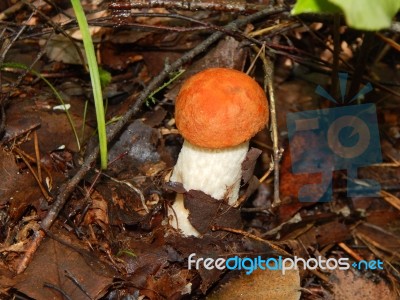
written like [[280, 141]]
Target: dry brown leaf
[[98, 212], [261, 284], [205, 212], [348, 285], [6, 279], [377, 238], [169, 286], [249, 164], [17, 188], [56, 264]]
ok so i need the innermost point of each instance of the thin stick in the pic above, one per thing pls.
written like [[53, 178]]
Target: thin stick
[[75, 281], [320, 275], [129, 185], [234, 6], [350, 251], [269, 171], [391, 199], [42, 189], [254, 237], [67, 188], [360, 68], [277, 153], [30, 251], [37, 154], [58, 289]]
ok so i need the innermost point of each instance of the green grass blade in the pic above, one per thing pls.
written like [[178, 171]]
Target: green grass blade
[[95, 79]]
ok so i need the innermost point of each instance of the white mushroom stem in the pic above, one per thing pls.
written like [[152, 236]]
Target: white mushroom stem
[[216, 172]]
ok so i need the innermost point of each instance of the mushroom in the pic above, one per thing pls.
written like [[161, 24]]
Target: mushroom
[[217, 111]]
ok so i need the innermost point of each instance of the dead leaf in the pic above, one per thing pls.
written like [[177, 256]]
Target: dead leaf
[[332, 233], [261, 284], [6, 280], [349, 285], [170, 284], [98, 211], [205, 211], [17, 188], [56, 264], [249, 164], [378, 238]]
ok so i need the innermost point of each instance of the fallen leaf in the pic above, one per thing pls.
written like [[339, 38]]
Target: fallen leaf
[[349, 285], [55, 263], [205, 211], [261, 284]]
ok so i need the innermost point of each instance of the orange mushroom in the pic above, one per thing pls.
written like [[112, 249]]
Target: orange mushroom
[[217, 111]]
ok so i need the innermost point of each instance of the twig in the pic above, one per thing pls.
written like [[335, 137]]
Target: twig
[[277, 153], [391, 199], [30, 251], [266, 174], [42, 189], [259, 52], [390, 42], [37, 155], [129, 185], [11, 10], [254, 237], [233, 6], [361, 65], [350, 251], [204, 25], [320, 275], [54, 287], [67, 188], [75, 281]]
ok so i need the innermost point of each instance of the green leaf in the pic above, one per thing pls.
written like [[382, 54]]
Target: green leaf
[[105, 77], [368, 15], [315, 6]]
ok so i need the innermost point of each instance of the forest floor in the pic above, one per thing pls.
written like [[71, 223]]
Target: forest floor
[[69, 230]]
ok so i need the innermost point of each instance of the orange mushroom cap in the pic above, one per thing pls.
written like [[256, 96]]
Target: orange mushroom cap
[[219, 108]]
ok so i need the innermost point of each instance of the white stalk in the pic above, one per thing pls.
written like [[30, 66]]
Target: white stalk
[[216, 172]]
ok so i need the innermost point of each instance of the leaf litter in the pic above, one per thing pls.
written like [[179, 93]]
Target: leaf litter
[[112, 239]]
